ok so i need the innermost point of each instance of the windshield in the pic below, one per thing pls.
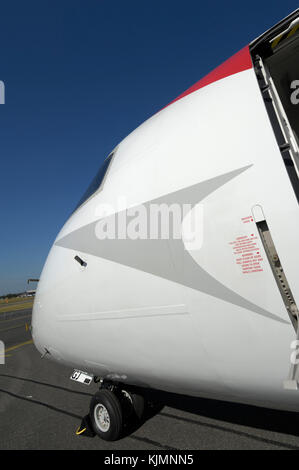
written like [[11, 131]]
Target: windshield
[[96, 182]]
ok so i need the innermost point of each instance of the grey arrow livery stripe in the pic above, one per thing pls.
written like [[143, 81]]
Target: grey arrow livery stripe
[[156, 256]]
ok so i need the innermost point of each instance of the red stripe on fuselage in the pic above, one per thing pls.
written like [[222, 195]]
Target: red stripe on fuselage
[[235, 64]]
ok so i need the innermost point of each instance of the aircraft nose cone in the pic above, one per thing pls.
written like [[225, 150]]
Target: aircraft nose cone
[[44, 331]]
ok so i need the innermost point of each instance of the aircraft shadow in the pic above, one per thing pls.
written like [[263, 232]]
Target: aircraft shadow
[[231, 413], [23, 379], [284, 422]]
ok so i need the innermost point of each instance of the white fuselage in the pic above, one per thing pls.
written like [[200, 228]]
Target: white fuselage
[[193, 321]]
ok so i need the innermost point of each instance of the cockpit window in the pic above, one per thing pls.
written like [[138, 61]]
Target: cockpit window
[[97, 181]]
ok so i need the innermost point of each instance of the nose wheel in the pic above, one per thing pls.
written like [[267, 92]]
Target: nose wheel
[[114, 408], [106, 415]]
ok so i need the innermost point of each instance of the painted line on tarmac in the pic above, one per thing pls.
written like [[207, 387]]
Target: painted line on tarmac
[[14, 327], [14, 319], [25, 307], [20, 345]]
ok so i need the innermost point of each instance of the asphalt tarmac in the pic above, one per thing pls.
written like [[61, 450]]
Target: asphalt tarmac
[[41, 408]]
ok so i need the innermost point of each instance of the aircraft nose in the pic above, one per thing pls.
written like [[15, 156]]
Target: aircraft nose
[[53, 296], [44, 325], [44, 329]]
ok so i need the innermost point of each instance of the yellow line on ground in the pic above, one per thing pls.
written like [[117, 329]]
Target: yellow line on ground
[[15, 308], [14, 319], [18, 345], [15, 300], [14, 327]]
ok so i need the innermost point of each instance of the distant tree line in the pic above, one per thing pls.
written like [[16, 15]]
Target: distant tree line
[[10, 296]]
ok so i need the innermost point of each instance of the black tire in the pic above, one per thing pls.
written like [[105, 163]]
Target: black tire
[[105, 406]]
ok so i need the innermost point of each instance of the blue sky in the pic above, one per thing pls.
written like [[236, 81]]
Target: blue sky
[[80, 76]]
